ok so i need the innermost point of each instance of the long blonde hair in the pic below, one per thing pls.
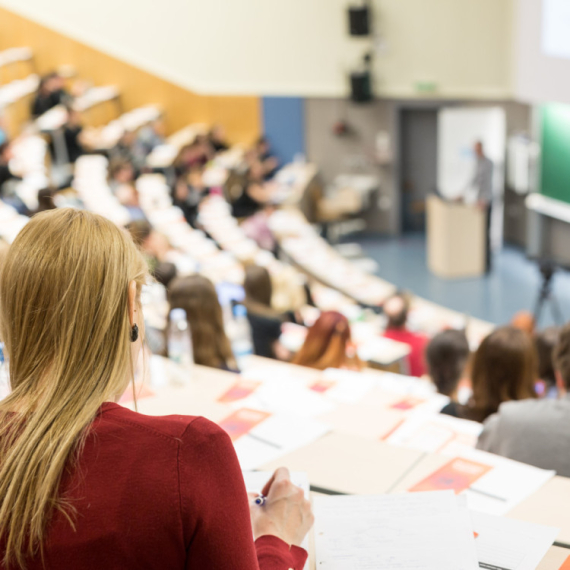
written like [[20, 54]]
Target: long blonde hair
[[64, 320]]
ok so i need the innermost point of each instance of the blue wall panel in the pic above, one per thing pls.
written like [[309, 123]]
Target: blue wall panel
[[284, 126]]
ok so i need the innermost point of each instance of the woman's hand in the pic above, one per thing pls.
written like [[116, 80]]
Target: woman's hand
[[285, 514]]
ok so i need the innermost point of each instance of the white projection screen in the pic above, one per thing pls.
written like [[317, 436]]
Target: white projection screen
[[556, 28], [458, 130], [542, 51]]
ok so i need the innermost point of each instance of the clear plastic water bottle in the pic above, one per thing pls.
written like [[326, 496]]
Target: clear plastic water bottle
[[180, 339], [242, 345]]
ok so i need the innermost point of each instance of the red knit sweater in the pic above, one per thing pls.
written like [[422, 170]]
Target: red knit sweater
[[159, 493]]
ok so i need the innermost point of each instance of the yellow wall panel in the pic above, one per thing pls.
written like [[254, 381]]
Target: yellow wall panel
[[240, 115]]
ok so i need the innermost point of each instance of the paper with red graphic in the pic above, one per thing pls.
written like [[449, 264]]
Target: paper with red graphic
[[241, 389], [321, 386], [242, 421], [458, 475], [408, 403]]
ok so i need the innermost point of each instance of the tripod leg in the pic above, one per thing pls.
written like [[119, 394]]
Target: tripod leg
[[556, 311], [538, 307]]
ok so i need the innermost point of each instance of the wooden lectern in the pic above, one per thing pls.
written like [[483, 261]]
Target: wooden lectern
[[455, 239]]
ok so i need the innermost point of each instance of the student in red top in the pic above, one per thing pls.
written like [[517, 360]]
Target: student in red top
[[84, 483], [396, 310]]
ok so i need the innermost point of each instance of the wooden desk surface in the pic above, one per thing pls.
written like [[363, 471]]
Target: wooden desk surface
[[550, 505], [554, 559], [351, 458], [350, 464]]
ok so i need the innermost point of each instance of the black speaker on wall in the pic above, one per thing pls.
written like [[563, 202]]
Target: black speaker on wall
[[361, 86], [359, 21]]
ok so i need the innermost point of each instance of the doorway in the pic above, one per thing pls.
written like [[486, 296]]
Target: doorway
[[418, 152]]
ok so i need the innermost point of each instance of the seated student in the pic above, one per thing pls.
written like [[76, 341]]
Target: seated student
[[6, 174], [153, 245], [9, 180], [257, 228], [128, 196], [121, 172], [72, 134], [217, 139], [265, 322], [45, 200], [252, 199], [447, 355], [532, 431], [503, 369], [194, 154], [127, 150], [266, 157], [88, 483], [150, 136], [189, 191], [545, 342], [396, 309], [50, 93], [328, 344], [197, 296]]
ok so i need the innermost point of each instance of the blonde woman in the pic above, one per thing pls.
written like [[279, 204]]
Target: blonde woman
[[85, 483]]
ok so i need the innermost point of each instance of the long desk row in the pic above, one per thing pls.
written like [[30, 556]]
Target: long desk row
[[313, 255], [349, 458]]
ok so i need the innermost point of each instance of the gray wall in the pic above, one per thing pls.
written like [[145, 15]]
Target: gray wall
[[355, 151]]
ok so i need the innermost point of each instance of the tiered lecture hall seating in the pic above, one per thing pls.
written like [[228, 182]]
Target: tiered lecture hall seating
[[359, 446]]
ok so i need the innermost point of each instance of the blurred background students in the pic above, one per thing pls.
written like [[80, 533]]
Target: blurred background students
[[51, 92], [217, 139], [197, 296], [72, 132], [328, 344], [536, 432], [447, 356], [504, 369], [396, 310], [265, 322]]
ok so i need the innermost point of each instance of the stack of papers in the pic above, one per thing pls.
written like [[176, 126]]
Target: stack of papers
[[431, 531], [427, 531], [260, 437], [288, 397], [492, 484], [436, 434]]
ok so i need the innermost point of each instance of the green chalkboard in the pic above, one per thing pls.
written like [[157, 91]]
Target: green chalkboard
[[555, 160]]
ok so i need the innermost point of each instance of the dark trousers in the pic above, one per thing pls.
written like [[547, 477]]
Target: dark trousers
[[488, 252]]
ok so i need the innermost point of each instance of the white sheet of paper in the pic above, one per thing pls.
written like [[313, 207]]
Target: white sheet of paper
[[276, 436], [423, 531], [505, 486], [281, 396], [350, 387], [255, 481], [507, 544], [436, 434]]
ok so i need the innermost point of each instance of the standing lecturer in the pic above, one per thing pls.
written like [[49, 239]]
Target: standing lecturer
[[482, 185]]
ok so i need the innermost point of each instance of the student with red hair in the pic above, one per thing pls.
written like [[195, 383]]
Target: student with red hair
[[328, 344]]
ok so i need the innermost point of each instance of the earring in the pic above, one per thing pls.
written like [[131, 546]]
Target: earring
[[134, 333]]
